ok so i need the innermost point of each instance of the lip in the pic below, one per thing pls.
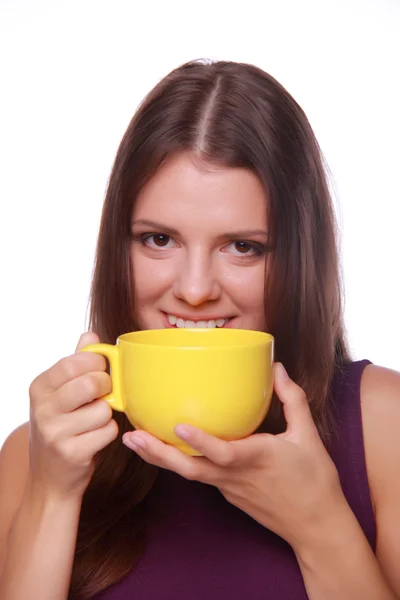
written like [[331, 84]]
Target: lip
[[196, 320]]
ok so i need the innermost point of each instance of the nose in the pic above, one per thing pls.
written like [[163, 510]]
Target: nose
[[197, 280]]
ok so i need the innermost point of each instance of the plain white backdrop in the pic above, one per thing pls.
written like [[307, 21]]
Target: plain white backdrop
[[72, 75]]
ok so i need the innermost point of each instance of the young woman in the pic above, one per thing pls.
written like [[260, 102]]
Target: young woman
[[217, 214]]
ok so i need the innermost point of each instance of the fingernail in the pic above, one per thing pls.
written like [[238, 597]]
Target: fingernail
[[182, 432], [281, 372], [135, 443]]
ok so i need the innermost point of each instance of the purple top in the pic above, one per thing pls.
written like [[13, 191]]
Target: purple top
[[203, 547]]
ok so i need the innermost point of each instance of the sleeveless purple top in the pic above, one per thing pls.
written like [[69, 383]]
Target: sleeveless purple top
[[203, 547]]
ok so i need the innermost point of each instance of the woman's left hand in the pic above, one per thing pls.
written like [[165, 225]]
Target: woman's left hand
[[286, 482]]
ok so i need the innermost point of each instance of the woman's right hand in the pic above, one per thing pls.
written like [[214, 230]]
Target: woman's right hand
[[69, 422]]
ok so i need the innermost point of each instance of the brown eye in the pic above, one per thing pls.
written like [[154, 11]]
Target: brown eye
[[156, 241], [243, 247], [161, 240]]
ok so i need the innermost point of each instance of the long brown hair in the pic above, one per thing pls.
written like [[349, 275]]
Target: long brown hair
[[234, 115]]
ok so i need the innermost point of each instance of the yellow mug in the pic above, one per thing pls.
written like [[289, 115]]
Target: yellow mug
[[219, 380]]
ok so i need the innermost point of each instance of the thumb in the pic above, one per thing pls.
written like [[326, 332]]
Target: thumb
[[295, 405], [89, 337]]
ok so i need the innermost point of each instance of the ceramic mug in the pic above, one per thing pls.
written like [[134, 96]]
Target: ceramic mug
[[219, 380]]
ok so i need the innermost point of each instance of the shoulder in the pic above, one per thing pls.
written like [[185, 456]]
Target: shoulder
[[382, 383], [17, 441], [380, 409], [14, 462], [14, 467]]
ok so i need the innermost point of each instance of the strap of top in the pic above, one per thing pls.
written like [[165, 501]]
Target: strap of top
[[347, 446]]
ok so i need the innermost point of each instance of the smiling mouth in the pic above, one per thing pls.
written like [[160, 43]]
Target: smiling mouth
[[180, 323]]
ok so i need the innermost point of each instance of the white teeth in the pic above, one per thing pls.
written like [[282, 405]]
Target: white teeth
[[181, 323]]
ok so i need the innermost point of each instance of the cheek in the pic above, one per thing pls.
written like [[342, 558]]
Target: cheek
[[150, 277], [247, 289]]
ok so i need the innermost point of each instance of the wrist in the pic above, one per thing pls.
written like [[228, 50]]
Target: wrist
[[339, 538], [48, 497], [328, 530], [337, 561]]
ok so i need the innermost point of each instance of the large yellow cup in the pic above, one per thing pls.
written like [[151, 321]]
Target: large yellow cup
[[219, 380]]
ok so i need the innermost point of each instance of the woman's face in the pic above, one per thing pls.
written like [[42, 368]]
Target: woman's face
[[198, 255]]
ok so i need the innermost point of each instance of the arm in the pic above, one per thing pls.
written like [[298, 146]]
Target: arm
[[44, 471], [38, 532], [289, 484], [338, 562], [40, 549]]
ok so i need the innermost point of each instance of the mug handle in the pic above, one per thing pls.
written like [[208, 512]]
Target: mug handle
[[110, 352]]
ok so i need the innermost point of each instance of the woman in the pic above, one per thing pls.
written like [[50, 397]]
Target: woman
[[217, 214]]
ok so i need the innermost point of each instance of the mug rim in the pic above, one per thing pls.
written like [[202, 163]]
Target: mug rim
[[255, 338]]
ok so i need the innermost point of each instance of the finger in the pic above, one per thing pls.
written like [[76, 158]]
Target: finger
[[295, 405], [244, 452], [89, 337], [86, 418], [253, 449], [155, 452], [218, 451], [88, 444], [69, 368], [82, 390]]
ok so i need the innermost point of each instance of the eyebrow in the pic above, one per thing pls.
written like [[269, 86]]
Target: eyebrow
[[160, 227]]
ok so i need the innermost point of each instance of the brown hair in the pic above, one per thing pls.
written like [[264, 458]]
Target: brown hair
[[235, 115]]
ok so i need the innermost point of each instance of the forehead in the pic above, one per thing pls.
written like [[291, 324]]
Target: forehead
[[186, 188]]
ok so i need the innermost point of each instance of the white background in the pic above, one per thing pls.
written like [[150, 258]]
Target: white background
[[73, 73]]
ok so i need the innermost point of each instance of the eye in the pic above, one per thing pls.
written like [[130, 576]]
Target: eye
[[243, 248], [156, 240]]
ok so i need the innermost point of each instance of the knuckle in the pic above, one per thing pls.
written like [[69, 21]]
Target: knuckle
[[106, 383], [109, 433], [35, 390], [113, 427], [228, 458], [79, 364], [191, 473], [51, 435], [39, 413], [85, 339], [93, 361], [89, 385], [81, 341], [297, 395], [104, 411], [302, 397], [70, 367], [70, 453]]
